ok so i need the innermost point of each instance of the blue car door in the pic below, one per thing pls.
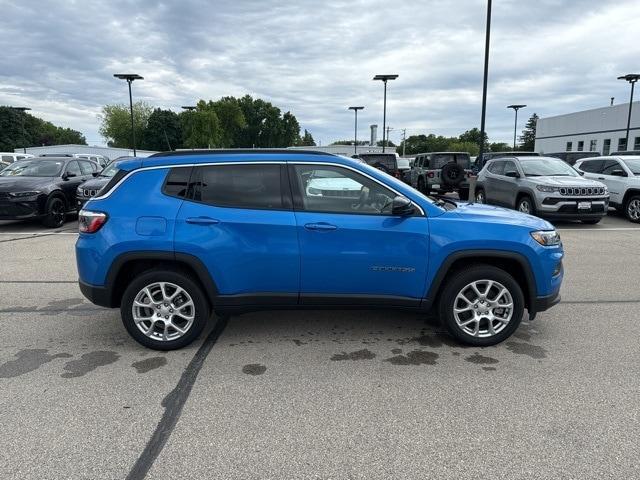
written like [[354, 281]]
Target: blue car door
[[239, 222], [350, 244]]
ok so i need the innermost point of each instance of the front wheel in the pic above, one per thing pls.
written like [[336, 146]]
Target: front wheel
[[525, 205], [164, 310], [480, 196], [632, 209], [55, 213], [481, 306]]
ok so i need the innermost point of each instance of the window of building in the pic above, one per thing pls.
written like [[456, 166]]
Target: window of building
[[636, 143], [593, 144], [580, 145], [332, 189], [606, 146], [569, 146], [239, 186], [622, 144]]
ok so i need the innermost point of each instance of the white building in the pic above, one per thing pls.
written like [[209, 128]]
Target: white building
[[600, 130], [108, 152], [346, 150]]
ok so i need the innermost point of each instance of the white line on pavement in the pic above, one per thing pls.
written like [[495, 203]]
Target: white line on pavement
[[605, 229]]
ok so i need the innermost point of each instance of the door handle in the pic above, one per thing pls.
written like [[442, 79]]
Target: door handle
[[202, 220], [322, 226]]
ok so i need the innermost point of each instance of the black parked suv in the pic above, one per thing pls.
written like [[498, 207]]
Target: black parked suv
[[91, 187], [43, 187], [387, 162]]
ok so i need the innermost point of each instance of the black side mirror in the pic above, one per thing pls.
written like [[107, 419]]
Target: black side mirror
[[619, 173], [402, 206], [68, 175], [581, 173], [512, 174], [95, 174]]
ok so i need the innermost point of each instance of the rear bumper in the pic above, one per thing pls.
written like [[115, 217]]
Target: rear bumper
[[96, 294]]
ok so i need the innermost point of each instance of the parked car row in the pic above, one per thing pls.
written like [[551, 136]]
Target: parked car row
[[50, 187]]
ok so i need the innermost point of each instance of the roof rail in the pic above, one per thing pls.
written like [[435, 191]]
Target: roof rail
[[239, 151]]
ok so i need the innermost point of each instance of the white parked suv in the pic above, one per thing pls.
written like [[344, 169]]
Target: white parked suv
[[7, 158], [621, 174]]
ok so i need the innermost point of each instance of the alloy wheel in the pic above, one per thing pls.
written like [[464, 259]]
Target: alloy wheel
[[483, 308], [480, 197], [633, 209], [163, 311], [57, 212], [524, 206]]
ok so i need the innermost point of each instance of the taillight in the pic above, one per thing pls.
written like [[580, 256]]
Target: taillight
[[91, 222], [398, 174], [431, 174]]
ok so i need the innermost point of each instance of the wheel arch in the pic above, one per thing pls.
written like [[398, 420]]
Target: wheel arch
[[513, 263], [130, 264], [629, 193], [522, 192]]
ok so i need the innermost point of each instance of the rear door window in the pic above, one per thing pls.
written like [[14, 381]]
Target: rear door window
[[239, 186], [74, 169], [86, 168]]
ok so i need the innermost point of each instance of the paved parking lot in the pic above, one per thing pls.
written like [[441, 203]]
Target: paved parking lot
[[320, 394]]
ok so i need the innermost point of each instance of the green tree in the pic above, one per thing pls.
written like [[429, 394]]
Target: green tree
[[162, 132], [307, 139], [201, 128], [115, 124], [471, 147], [290, 130], [231, 120], [528, 137], [37, 132], [473, 136], [499, 147]]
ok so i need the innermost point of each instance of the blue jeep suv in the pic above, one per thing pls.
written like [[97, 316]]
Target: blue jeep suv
[[178, 235]]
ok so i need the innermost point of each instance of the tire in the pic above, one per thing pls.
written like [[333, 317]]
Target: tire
[[55, 213], [463, 193], [459, 283], [591, 221], [530, 206], [421, 188], [171, 309], [452, 174], [481, 197], [632, 209]]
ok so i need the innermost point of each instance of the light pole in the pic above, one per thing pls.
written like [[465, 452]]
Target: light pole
[[24, 133], [486, 75], [355, 132], [384, 79], [515, 125], [632, 78], [130, 77]]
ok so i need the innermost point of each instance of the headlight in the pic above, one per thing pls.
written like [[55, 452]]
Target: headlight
[[22, 194], [79, 191], [546, 238], [546, 188]]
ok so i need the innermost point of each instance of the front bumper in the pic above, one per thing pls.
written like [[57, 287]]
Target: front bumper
[[570, 208], [18, 210], [546, 302]]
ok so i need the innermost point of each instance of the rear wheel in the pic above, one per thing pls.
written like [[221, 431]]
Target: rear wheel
[[525, 205], [55, 213], [480, 196], [164, 310], [481, 306], [632, 209]]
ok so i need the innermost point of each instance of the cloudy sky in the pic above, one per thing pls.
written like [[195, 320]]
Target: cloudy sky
[[316, 58]]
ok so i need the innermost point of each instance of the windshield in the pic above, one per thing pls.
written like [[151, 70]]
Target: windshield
[[633, 164], [548, 167], [109, 171], [33, 168]]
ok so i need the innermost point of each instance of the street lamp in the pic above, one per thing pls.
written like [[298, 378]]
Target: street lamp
[[632, 78], [515, 126], [24, 133], [355, 135], [384, 78], [484, 82], [130, 77]]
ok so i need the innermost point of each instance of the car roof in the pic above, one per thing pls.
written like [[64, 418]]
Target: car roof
[[190, 157]]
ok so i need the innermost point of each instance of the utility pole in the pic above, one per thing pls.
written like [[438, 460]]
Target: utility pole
[[487, 42], [632, 78], [404, 140], [130, 77]]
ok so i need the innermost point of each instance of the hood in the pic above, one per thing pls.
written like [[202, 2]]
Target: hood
[[498, 215], [19, 184], [565, 181], [95, 183]]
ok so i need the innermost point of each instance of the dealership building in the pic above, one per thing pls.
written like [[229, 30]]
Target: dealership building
[[599, 130]]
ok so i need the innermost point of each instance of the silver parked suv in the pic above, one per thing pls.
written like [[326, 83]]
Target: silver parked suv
[[542, 186]]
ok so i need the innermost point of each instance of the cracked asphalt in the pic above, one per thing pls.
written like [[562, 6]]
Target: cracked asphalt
[[327, 395]]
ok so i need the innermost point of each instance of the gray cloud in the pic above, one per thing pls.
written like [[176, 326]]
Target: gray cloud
[[317, 58]]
